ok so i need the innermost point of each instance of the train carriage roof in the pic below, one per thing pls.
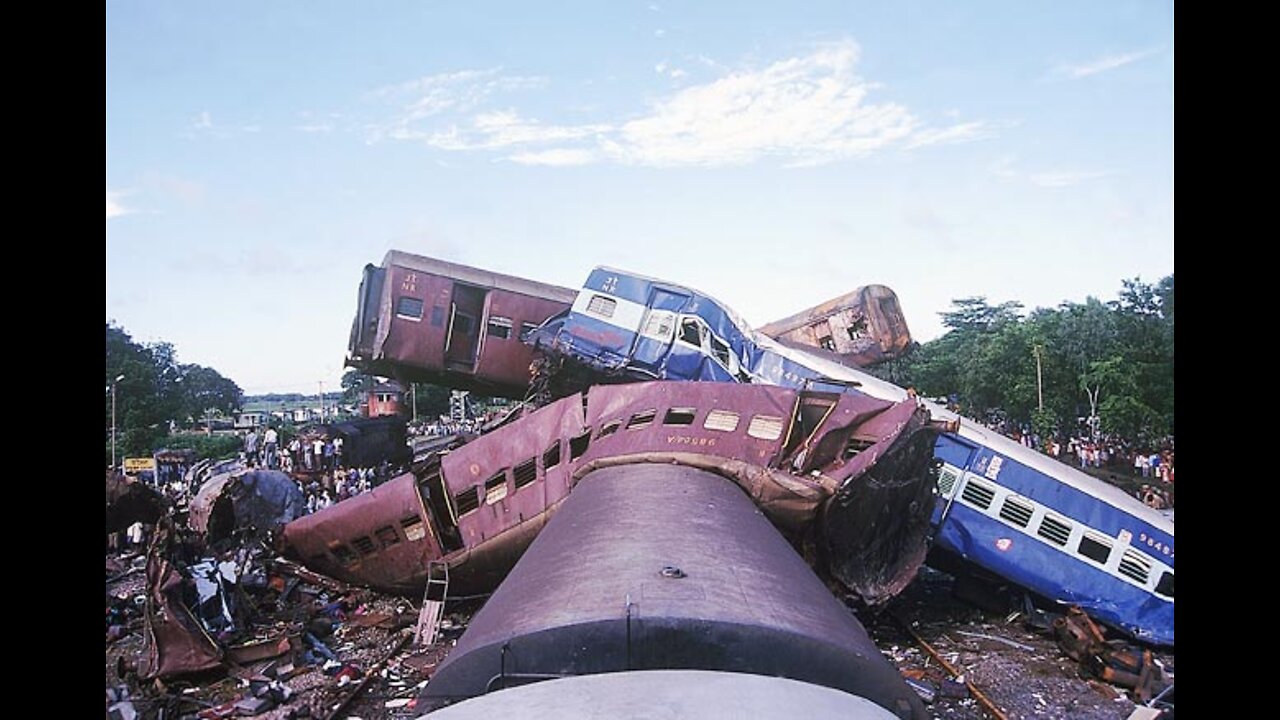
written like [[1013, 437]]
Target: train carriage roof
[[476, 276]]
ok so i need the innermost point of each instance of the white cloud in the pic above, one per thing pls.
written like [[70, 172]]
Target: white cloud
[[560, 157], [506, 128], [114, 208], [964, 132], [458, 92], [1004, 168], [1066, 178], [315, 128], [805, 110], [204, 125], [1102, 64]]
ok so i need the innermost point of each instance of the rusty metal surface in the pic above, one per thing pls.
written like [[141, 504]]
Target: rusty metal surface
[[245, 498], [416, 348], [789, 451], [380, 538], [664, 566], [175, 643], [872, 313]]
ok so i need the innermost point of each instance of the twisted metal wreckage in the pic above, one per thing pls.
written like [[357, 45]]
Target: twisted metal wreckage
[[850, 479]]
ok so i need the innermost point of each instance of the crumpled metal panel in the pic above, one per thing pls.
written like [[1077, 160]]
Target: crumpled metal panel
[[528, 437], [264, 499], [389, 522], [175, 643]]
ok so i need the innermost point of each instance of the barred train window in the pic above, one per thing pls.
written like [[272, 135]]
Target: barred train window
[[500, 327], [409, 308], [602, 306]]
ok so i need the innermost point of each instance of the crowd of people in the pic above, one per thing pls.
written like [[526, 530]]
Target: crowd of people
[[315, 461], [1109, 456]]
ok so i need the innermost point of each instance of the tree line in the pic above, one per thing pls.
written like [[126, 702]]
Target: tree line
[[1109, 363], [155, 393]]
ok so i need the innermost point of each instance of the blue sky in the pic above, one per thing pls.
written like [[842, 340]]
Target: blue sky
[[773, 155]]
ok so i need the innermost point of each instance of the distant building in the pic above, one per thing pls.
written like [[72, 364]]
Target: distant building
[[251, 419], [384, 399]]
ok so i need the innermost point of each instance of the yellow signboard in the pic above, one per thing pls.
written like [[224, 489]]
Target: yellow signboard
[[133, 466]]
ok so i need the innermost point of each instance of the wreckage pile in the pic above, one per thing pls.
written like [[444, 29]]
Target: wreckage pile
[[1005, 658], [244, 633]]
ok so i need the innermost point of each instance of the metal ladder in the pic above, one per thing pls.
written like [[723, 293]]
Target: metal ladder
[[433, 599]]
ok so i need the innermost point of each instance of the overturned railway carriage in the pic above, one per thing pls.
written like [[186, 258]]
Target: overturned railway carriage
[[813, 462], [1004, 508], [425, 320], [665, 567], [862, 328]]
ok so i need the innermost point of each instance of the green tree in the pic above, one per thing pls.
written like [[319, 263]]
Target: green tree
[[155, 393]]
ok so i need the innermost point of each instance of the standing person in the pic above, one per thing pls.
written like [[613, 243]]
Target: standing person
[[317, 451], [1154, 463], [1138, 461], [337, 450], [251, 447], [271, 440], [328, 455]]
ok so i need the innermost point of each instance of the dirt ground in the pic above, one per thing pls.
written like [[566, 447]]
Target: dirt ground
[[1020, 669]]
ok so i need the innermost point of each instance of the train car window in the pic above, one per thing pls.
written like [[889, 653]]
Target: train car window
[[659, 325], [437, 316], [1135, 567], [409, 308], [691, 332], [364, 545], [551, 457], [765, 427], [720, 350], [525, 473], [641, 419], [679, 416], [722, 420], [413, 528], [978, 494], [827, 343], [495, 488], [601, 306], [526, 329], [343, 554], [466, 501], [608, 429], [947, 480], [578, 445], [1016, 511], [386, 536], [1054, 530], [499, 327], [1095, 547], [1165, 586]]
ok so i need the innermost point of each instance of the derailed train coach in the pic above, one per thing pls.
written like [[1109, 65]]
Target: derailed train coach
[[419, 319], [1002, 507], [851, 474]]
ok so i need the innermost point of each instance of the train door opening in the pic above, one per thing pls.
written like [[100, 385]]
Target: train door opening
[[463, 339], [653, 341]]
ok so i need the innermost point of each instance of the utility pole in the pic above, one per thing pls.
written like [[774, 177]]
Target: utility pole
[[113, 419], [322, 402]]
